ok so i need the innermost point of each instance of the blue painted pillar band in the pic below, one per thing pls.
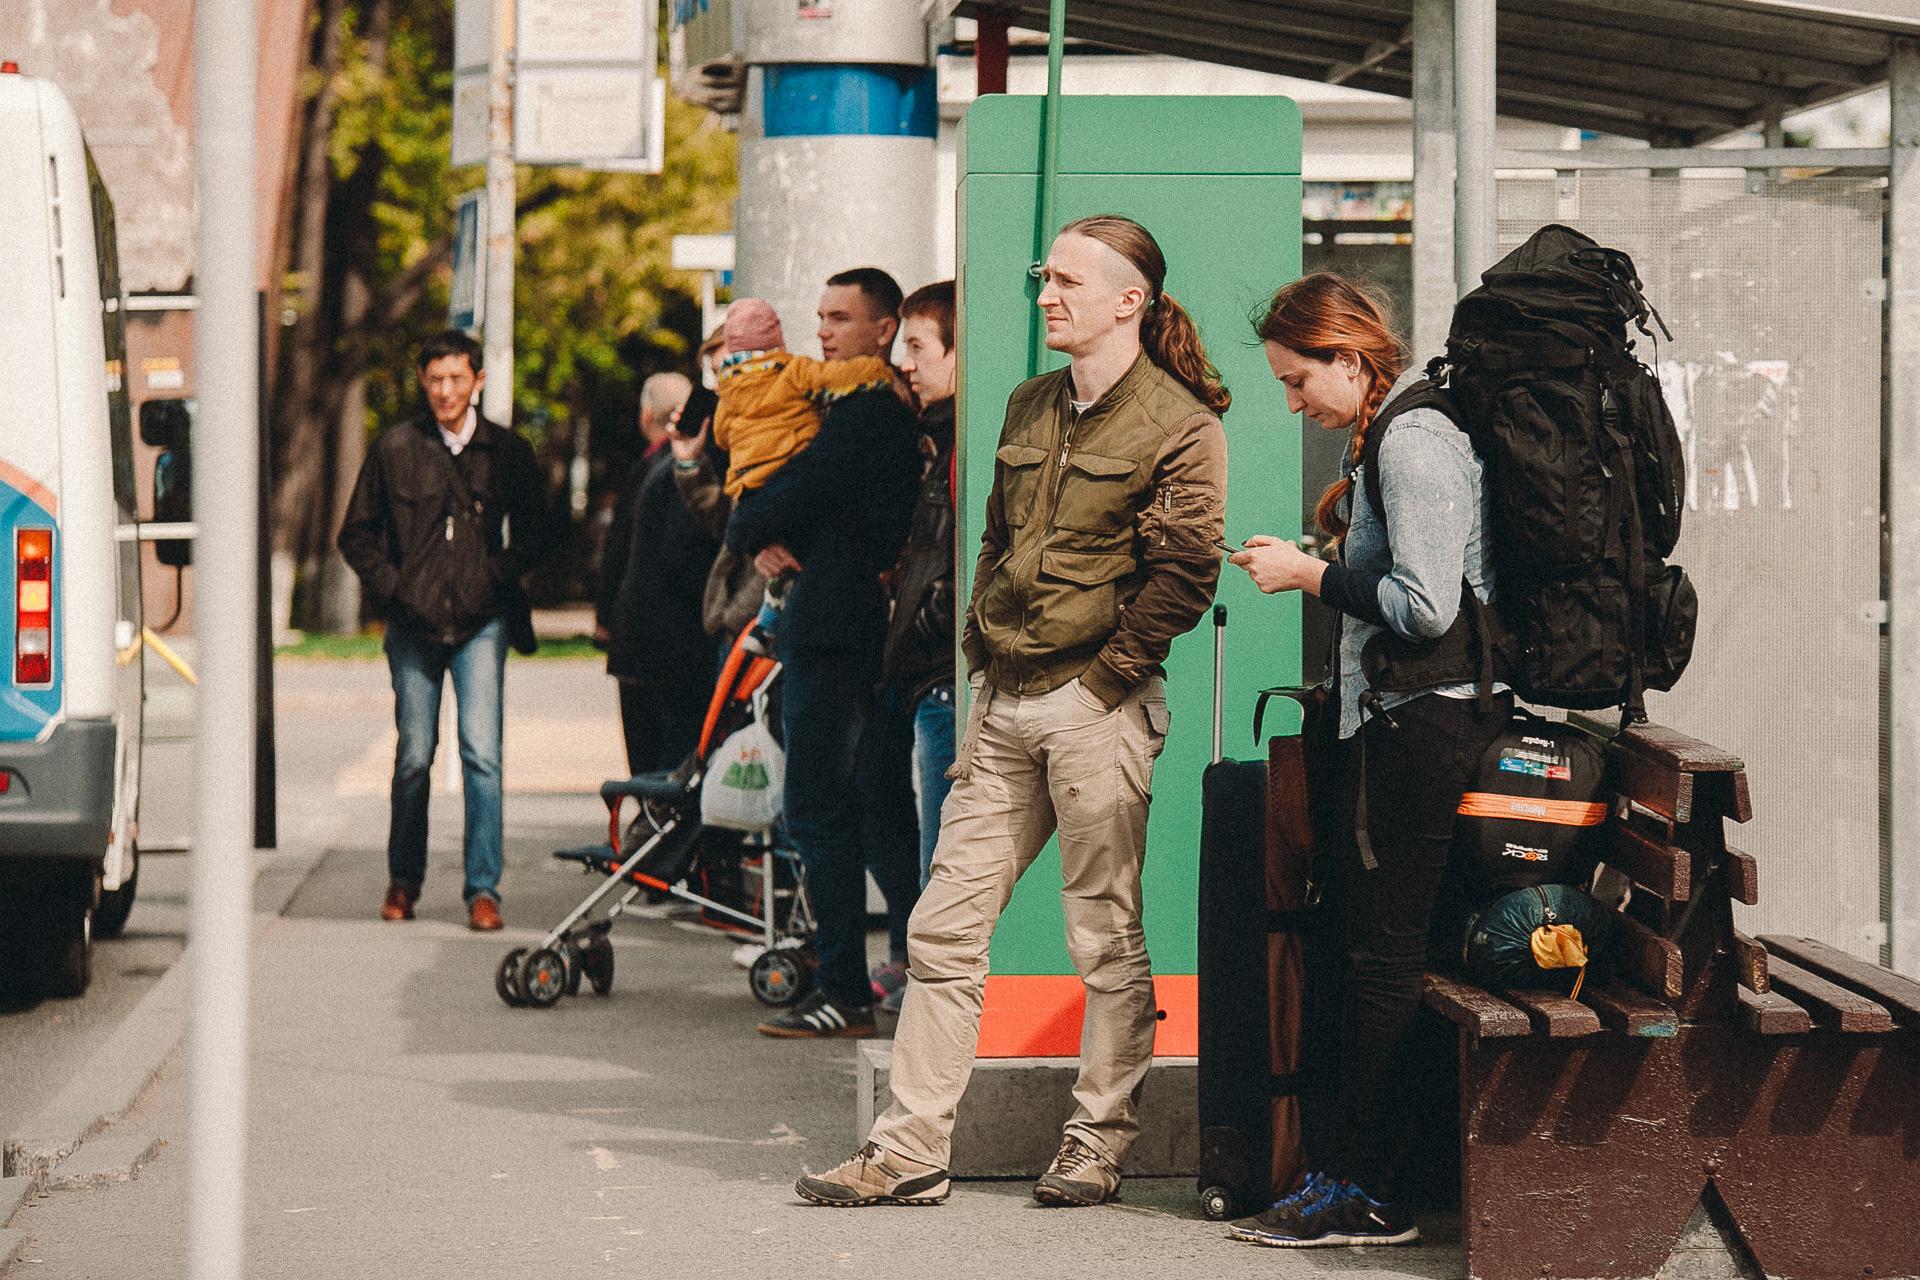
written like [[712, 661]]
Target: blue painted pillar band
[[816, 100]]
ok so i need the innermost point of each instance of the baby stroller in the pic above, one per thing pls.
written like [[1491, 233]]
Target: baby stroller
[[668, 852]]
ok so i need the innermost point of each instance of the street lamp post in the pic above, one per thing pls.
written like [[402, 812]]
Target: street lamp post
[[496, 400], [226, 462]]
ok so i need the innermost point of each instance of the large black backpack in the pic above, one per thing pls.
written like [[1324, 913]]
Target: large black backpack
[[1584, 474]]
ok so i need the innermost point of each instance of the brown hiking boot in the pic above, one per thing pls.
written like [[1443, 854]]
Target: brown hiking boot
[[1079, 1175], [874, 1175], [399, 902]]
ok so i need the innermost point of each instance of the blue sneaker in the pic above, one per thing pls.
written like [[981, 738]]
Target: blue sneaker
[[1287, 1209], [1342, 1214]]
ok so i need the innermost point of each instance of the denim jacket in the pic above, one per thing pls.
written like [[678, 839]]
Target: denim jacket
[[1432, 486]]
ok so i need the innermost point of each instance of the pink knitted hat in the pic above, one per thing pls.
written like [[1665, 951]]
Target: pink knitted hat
[[753, 325]]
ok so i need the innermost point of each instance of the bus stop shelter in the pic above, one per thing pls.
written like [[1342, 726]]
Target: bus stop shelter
[[1791, 277]]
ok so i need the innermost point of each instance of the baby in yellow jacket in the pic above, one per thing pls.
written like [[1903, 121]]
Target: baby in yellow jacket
[[771, 402], [771, 399]]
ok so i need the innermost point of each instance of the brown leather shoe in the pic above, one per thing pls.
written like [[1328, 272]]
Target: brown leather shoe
[[399, 902], [483, 913]]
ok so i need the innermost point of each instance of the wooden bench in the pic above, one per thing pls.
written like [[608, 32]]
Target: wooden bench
[[1774, 1081]]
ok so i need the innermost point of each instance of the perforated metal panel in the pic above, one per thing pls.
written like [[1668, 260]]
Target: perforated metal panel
[[1774, 376]]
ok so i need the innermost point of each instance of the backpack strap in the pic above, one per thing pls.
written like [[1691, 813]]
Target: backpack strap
[[1423, 394], [1469, 649]]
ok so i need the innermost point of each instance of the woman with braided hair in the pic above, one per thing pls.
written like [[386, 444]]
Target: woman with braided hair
[[1407, 539]]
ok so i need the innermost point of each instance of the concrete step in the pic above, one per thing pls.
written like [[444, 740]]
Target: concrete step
[[1008, 1123]]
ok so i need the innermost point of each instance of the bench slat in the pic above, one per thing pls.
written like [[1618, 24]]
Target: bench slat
[[1625, 1010], [1672, 775], [1677, 750], [1650, 960], [1661, 868], [1900, 995], [1743, 877], [1655, 786], [1771, 1014], [1739, 804], [1486, 1016], [1554, 1016], [1828, 1001], [1752, 959]]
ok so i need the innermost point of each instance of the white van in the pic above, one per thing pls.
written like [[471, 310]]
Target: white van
[[70, 694]]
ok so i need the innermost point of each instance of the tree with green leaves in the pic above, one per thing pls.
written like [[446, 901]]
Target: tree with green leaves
[[369, 247]]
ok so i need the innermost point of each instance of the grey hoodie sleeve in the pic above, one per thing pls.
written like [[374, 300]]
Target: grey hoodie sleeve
[[1426, 485]]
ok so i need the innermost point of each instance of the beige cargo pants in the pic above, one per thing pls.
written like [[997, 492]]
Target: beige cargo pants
[[1025, 767]]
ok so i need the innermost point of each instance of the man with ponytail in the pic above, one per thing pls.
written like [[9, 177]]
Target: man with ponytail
[[1099, 548]]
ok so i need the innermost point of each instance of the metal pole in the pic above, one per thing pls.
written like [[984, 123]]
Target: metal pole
[[1903, 500], [226, 462], [1474, 232], [1433, 161], [1049, 167], [496, 400]]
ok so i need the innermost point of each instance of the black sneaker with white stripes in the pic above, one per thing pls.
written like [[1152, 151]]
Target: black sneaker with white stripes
[[819, 1016]]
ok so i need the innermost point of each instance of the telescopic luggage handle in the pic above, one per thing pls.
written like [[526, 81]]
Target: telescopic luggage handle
[[1219, 674]]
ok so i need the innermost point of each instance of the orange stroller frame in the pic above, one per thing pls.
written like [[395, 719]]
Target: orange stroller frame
[[674, 847]]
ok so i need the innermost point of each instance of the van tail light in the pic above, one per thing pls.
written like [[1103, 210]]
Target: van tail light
[[33, 606]]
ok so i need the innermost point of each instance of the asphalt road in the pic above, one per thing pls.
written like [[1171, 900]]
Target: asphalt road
[[333, 747], [403, 1121]]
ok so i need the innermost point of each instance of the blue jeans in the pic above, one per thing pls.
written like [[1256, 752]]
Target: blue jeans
[[889, 824], [932, 757], [825, 698], [419, 665]]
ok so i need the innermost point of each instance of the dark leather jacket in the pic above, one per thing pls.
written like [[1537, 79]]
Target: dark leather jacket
[[441, 541], [919, 652]]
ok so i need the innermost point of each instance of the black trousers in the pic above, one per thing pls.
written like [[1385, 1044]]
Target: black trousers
[[661, 722], [1415, 774]]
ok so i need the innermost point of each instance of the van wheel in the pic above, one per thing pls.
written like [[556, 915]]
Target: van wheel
[[69, 952], [110, 917]]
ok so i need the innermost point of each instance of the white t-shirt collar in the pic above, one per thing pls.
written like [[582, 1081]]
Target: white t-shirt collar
[[455, 443]]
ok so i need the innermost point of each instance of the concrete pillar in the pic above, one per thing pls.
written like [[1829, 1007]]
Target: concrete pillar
[[836, 153], [1433, 160], [1474, 232], [1903, 498]]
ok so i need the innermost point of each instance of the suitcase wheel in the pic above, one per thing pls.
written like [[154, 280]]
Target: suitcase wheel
[[1217, 1204]]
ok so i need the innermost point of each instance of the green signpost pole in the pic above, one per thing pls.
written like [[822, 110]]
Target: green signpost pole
[[1049, 176]]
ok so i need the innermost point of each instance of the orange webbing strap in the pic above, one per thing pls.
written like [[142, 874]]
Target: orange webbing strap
[[1561, 813]]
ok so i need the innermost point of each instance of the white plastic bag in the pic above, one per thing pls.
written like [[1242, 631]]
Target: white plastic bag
[[745, 780]]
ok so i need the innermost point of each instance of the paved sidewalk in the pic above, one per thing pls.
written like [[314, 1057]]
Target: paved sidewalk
[[404, 1122]]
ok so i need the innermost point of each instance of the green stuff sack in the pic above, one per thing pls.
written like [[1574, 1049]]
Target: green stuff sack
[[1541, 938]]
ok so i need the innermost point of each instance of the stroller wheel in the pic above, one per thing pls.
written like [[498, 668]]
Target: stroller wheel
[[597, 960], [543, 978], [779, 977], [506, 979], [576, 956]]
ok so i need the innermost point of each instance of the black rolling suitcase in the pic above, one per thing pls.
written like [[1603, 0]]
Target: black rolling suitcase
[[1256, 914]]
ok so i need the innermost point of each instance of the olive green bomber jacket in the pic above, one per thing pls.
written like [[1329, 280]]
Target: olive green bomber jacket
[[1099, 545]]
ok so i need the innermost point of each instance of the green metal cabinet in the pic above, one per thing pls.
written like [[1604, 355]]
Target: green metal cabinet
[[1217, 182]]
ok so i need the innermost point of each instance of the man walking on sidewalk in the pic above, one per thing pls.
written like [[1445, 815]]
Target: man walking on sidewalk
[[1108, 496], [444, 519]]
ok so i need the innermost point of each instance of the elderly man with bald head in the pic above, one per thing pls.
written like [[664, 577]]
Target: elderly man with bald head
[[652, 575]]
